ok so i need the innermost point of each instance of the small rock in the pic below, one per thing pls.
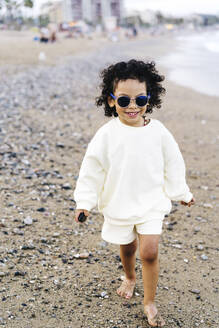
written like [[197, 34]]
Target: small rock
[[200, 248], [104, 294], [56, 234], [204, 257], [28, 220], [19, 273], [170, 227], [84, 255], [207, 205], [66, 186], [2, 274], [177, 246], [195, 291], [60, 145], [17, 231], [200, 219], [28, 246], [43, 240], [41, 209]]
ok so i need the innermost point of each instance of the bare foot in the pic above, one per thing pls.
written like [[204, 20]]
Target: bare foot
[[154, 318], [127, 288]]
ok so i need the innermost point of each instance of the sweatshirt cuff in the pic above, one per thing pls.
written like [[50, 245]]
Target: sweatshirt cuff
[[187, 197], [84, 206]]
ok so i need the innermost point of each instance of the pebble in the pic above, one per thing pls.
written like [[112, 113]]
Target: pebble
[[200, 219], [66, 186], [41, 209], [28, 220], [200, 247], [84, 255], [204, 257], [17, 231], [176, 246], [28, 246], [207, 205], [56, 234], [204, 187], [19, 273], [195, 291]]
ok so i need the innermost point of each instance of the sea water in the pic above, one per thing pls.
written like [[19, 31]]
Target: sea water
[[195, 62]]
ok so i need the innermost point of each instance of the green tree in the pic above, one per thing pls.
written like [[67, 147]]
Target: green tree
[[28, 3], [13, 4]]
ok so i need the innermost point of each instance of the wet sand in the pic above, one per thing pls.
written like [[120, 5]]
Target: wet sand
[[47, 118]]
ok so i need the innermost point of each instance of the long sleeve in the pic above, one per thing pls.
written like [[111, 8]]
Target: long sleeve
[[174, 170], [91, 176]]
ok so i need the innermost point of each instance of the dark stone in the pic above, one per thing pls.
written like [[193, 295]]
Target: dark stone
[[19, 273], [41, 209]]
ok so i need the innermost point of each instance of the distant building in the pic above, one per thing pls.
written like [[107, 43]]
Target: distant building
[[138, 17], [54, 10], [204, 19], [93, 11]]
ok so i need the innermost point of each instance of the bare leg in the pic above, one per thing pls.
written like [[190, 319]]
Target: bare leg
[[150, 271], [128, 257]]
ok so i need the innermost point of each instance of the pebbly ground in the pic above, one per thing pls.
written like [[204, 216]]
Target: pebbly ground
[[55, 273]]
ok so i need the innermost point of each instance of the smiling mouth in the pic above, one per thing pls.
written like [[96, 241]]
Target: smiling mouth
[[132, 113]]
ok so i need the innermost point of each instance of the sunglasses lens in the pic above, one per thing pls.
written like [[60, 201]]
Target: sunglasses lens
[[141, 101], [123, 101]]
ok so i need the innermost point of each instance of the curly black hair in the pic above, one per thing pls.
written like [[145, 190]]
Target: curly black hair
[[133, 69]]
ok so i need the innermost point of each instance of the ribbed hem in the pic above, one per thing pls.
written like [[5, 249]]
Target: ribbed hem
[[84, 206]]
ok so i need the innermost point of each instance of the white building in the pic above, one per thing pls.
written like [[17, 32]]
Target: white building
[[146, 16], [94, 11]]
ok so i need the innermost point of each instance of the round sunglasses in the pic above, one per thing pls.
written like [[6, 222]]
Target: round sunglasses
[[124, 101]]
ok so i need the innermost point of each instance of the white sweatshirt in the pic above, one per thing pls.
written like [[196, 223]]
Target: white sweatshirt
[[131, 173]]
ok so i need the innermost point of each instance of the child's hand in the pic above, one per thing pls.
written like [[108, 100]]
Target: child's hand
[[192, 202], [77, 213]]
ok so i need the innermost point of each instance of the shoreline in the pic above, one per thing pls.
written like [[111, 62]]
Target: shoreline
[[192, 64]]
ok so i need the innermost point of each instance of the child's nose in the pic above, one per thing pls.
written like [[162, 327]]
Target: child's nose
[[132, 102]]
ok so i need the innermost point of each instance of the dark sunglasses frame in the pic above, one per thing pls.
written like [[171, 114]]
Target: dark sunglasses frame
[[146, 98]]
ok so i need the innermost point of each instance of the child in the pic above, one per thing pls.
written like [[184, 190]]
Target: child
[[133, 168]]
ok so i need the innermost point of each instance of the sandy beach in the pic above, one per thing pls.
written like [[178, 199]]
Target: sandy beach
[[47, 117]]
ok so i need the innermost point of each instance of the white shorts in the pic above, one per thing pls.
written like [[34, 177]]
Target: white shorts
[[126, 234]]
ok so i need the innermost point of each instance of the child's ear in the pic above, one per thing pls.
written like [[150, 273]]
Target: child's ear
[[111, 101]]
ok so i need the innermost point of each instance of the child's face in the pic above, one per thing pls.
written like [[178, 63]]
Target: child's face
[[131, 88]]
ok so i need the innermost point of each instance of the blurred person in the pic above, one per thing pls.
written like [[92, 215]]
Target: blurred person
[[44, 35], [53, 32]]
